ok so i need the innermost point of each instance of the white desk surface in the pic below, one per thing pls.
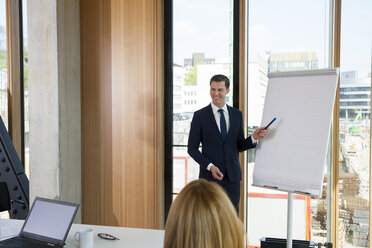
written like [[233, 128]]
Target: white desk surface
[[129, 237]]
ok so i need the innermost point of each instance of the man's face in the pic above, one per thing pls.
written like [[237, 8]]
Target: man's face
[[218, 93]]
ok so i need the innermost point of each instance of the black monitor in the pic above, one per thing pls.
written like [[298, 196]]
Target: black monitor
[[282, 243], [13, 177]]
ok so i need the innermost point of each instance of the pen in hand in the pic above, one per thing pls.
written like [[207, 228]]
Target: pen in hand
[[271, 122]]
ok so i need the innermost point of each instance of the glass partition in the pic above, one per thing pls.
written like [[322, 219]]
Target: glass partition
[[283, 35], [25, 90], [203, 47], [3, 73], [3, 64], [355, 113]]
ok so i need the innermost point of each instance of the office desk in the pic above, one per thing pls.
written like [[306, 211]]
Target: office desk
[[129, 237]]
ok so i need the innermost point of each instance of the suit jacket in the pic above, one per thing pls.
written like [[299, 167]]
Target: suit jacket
[[215, 150]]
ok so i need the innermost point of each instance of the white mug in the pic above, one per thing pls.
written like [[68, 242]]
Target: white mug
[[85, 238]]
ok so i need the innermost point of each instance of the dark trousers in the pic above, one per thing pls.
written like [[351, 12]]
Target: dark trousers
[[232, 189]]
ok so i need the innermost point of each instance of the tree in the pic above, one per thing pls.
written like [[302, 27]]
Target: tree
[[191, 77]]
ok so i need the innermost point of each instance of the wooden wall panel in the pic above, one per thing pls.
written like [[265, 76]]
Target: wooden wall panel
[[122, 87], [14, 76], [97, 189]]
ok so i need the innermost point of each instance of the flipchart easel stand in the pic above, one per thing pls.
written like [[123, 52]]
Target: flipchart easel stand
[[290, 220], [290, 224]]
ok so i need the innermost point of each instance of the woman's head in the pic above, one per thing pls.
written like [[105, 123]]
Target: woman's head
[[202, 216]]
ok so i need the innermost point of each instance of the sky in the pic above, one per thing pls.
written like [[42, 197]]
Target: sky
[[200, 26], [356, 35], [276, 26], [3, 17], [2, 22], [288, 26], [2, 12]]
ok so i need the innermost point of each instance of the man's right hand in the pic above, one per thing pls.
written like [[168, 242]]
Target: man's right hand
[[216, 173]]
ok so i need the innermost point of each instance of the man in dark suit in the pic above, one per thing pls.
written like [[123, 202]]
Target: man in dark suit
[[220, 130]]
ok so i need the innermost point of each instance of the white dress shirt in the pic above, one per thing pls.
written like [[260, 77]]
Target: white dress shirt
[[217, 117]]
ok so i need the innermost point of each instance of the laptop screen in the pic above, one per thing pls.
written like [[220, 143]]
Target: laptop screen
[[49, 220]]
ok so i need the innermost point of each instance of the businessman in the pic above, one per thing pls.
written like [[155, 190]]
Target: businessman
[[219, 128]]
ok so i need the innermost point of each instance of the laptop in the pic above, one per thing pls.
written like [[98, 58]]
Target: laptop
[[47, 225]]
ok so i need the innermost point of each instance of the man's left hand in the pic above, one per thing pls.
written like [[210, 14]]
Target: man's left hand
[[260, 133]]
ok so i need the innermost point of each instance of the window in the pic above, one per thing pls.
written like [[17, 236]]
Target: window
[[283, 35], [199, 37], [294, 35], [3, 65], [3, 73], [355, 92], [203, 46], [25, 91]]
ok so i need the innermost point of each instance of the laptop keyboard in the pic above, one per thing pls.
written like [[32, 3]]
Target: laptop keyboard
[[21, 242]]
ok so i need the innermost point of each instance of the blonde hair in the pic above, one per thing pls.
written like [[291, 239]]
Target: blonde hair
[[202, 216]]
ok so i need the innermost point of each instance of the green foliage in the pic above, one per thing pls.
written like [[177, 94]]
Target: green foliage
[[25, 54], [3, 59], [191, 77], [2, 48]]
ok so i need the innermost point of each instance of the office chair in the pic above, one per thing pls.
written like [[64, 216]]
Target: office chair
[[4, 197]]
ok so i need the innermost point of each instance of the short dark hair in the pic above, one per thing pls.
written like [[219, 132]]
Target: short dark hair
[[220, 78]]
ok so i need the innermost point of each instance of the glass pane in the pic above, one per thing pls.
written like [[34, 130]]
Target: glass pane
[[203, 47], [25, 82], [3, 65], [355, 101], [285, 35], [185, 169], [3, 75]]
